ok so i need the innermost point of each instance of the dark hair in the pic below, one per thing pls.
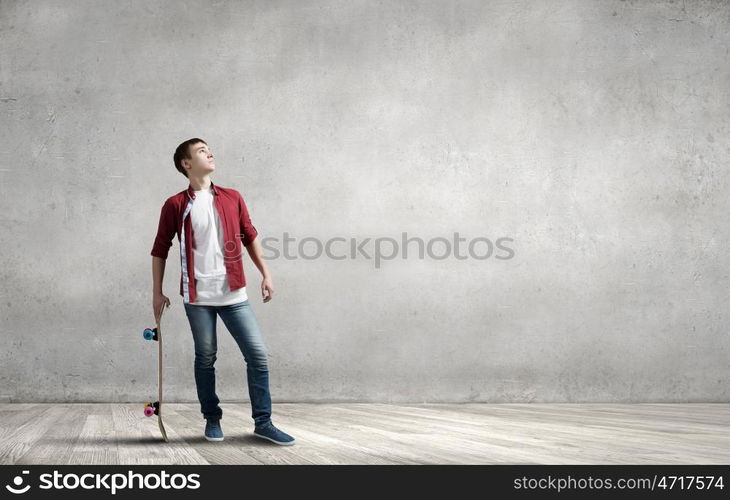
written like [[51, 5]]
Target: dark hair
[[183, 151]]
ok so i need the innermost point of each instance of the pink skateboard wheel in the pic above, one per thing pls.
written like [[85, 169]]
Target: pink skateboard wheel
[[149, 411]]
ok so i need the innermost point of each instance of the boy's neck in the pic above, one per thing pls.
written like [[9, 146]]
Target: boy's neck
[[199, 183]]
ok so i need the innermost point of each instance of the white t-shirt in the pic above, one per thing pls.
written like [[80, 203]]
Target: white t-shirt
[[211, 282]]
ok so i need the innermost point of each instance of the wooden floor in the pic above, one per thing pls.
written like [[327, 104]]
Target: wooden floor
[[364, 433]]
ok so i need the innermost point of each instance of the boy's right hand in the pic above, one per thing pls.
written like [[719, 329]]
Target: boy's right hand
[[159, 300]]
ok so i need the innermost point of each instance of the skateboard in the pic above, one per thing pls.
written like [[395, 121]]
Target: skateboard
[[155, 408]]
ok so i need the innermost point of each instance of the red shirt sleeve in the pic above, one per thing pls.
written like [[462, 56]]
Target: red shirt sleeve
[[166, 230], [247, 230]]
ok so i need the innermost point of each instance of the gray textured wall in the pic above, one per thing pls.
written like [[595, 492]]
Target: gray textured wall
[[592, 133]]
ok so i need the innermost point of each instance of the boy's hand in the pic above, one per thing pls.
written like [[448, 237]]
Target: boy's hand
[[158, 302], [267, 289]]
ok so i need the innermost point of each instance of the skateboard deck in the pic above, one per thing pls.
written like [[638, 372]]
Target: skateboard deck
[[155, 408]]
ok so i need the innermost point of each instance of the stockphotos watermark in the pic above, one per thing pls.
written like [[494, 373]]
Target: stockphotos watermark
[[112, 482], [381, 249]]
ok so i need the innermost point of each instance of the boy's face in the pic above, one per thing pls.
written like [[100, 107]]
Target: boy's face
[[202, 160]]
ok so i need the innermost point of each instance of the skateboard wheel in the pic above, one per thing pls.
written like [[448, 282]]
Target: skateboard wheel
[[148, 334], [151, 408]]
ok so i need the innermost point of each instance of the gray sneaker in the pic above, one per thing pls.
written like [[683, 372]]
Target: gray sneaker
[[270, 432], [213, 431]]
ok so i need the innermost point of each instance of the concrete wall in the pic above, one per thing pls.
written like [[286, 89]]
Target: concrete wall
[[592, 134]]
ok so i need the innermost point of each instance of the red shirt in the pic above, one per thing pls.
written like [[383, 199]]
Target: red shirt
[[237, 230]]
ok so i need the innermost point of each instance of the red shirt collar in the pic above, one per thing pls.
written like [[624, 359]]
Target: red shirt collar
[[191, 191]]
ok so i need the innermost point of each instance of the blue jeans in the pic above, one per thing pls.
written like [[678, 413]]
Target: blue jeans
[[241, 323]]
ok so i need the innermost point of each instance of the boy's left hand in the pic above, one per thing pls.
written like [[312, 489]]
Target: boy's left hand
[[267, 289]]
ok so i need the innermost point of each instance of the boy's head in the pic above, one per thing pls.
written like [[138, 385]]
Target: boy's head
[[194, 156]]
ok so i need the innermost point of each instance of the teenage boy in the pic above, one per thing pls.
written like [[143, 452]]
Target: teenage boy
[[213, 225]]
